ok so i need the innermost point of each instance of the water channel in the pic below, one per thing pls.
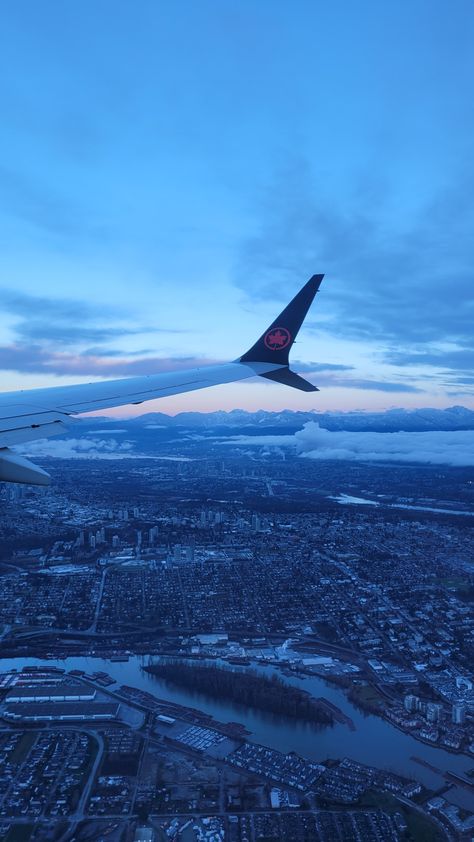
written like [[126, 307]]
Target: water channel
[[374, 741]]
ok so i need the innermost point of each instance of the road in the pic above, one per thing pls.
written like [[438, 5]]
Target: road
[[98, 603], [155, 820], [81, 807]]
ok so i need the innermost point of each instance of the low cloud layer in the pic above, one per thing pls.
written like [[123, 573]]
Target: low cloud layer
[[455, 448], [83, 448], [433, 447]]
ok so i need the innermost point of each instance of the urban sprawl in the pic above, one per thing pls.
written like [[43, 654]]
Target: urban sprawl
[[324, 574]]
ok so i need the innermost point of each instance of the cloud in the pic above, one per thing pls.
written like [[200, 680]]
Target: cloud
[[48, 208], [115, 352], [330, 380], [107, 432], [433, 447], [454, 448], [452, 359], [325, 375], [68, 309], [47, 324], [83, 448], [254, 441], [38, 360], [63, 321], [408, 283], [35, 330], [311, 366], [377, 385]]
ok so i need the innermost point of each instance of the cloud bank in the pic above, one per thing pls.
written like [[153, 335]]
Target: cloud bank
[[436, 447], [454, 448], [82, 448]]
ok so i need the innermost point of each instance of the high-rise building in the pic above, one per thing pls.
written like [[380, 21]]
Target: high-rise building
[[152, 534], [433, 712], [189, 553], [459, 713], [177, 553], [411, 703]]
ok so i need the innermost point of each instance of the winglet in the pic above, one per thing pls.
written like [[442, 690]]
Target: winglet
[[289, 378], [275, 344]]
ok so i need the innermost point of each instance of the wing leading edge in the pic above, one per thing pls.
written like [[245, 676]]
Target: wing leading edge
[[38, 413]]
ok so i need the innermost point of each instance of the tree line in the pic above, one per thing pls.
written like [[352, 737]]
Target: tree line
[[247, 687]]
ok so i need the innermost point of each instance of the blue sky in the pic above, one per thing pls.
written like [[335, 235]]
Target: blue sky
[[172, 172]]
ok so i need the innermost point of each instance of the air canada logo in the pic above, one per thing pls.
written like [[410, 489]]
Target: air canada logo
[[277, 338]]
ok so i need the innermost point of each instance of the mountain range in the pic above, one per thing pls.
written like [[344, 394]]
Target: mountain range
[[393, 420]]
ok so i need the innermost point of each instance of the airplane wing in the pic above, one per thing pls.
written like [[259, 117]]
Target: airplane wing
[[38, 413]]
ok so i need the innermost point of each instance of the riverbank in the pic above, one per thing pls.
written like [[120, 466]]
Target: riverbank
[[373, 741]]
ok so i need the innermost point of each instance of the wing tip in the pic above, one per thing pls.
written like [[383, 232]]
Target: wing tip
[[275, 344]]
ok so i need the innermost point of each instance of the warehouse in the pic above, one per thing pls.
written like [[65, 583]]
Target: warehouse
[[45, 693], [62, 712]]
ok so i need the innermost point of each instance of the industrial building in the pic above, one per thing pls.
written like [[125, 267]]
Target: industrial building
[[62, 711], [166, 720], [47, 693]]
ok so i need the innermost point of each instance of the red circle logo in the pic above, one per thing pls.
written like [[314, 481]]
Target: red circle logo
[[277, 338]]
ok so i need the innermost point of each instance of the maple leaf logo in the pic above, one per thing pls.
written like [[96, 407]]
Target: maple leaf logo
[[277, 339]]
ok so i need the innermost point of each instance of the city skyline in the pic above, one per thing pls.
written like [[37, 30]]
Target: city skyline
[[172, 175]]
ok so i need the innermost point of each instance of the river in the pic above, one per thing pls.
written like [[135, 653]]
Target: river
[[374, 741]]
